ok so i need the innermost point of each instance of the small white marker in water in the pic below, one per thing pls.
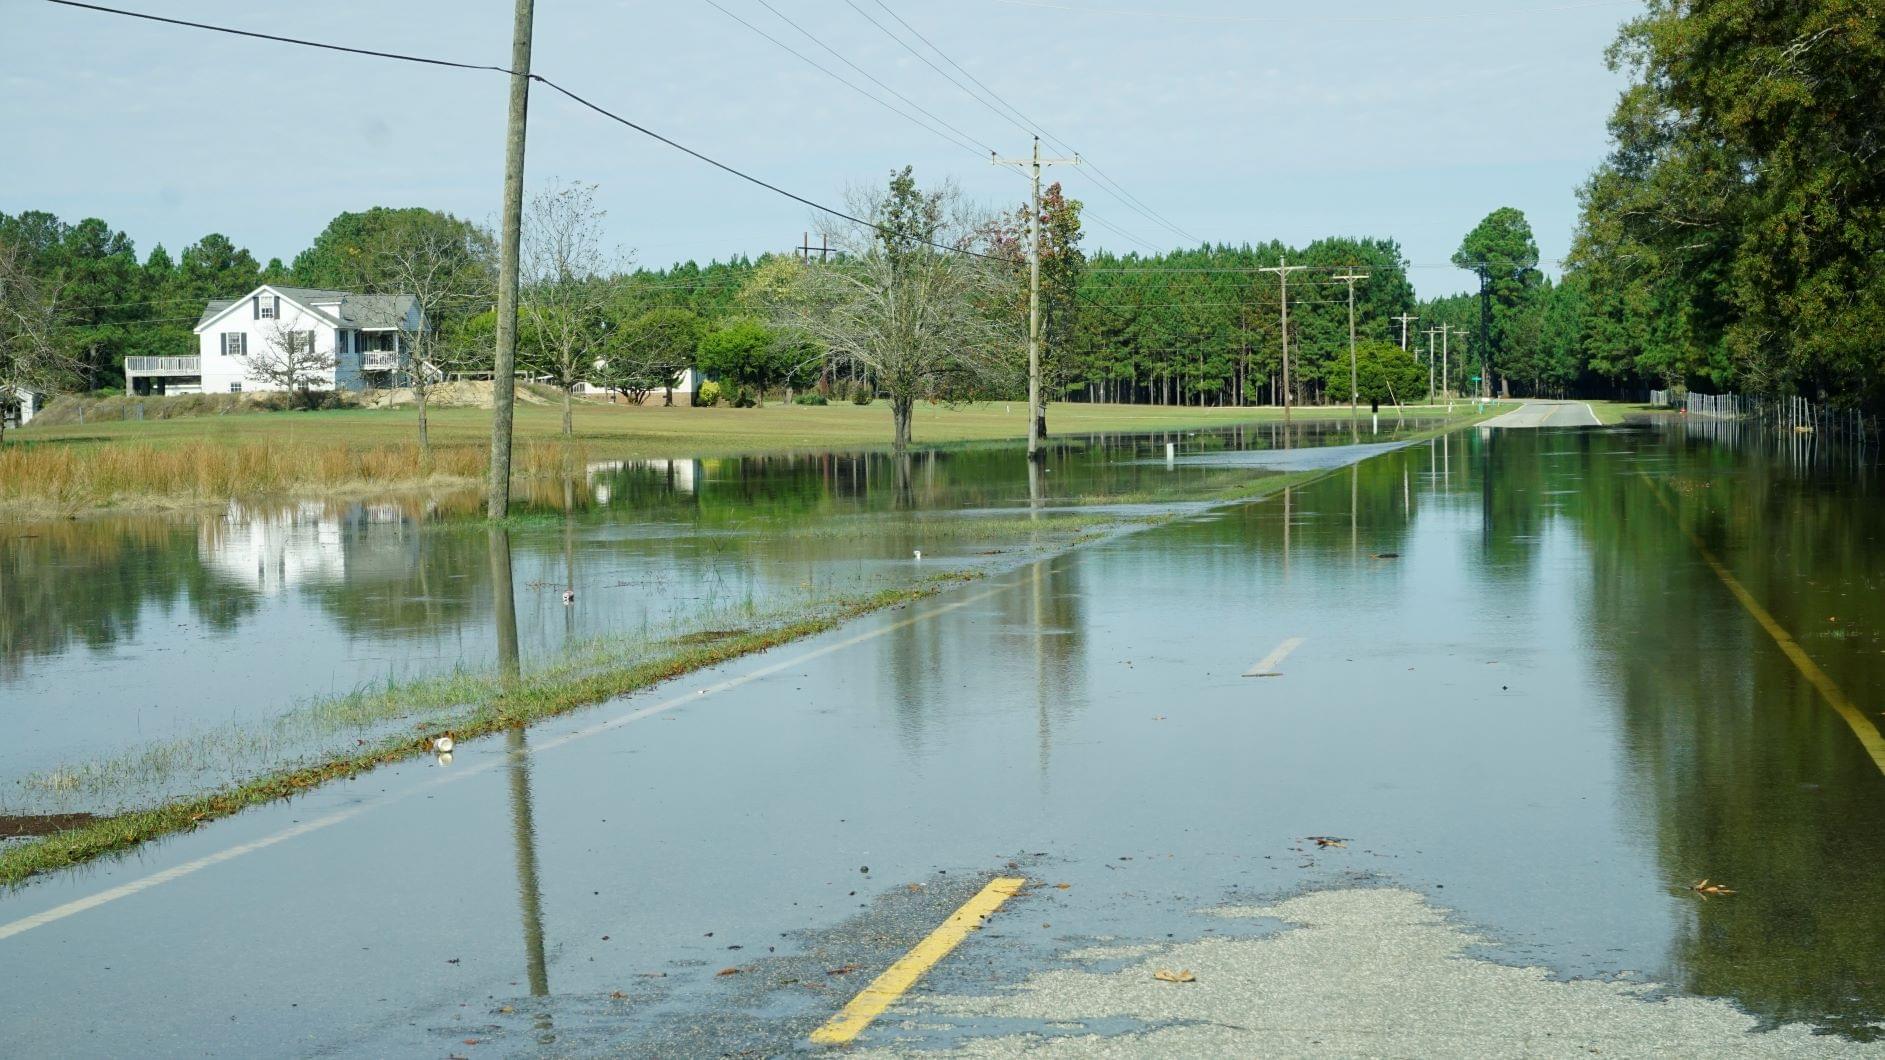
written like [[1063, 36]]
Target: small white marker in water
[[1171, 451], [569, 597], [918, 553]]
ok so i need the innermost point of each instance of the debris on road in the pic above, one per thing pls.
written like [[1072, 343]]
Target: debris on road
[[1707, 889], [1327, 840], [1166, 975]]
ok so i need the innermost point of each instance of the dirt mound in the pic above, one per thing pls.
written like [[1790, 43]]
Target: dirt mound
[[457, 394]]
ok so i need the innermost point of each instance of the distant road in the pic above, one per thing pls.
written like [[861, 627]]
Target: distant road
[[1547, 414]]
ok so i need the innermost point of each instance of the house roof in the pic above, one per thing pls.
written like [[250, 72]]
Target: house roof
[[343, 309]]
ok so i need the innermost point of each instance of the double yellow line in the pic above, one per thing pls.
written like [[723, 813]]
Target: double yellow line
[[1862, 726]]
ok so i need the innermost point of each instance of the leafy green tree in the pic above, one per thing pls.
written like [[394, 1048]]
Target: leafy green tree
[[1732, 236], [651, 351], [1502, 252], [744, 352], [1386, 373], [905, 302], [213, 267]]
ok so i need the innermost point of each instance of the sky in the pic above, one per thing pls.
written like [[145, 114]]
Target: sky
[[1223, 122]]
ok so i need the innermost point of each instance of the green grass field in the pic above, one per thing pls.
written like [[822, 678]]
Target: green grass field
[[70, 468], [634, 431]]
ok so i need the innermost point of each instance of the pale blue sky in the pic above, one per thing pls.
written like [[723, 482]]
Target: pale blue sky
[[1235, 121]]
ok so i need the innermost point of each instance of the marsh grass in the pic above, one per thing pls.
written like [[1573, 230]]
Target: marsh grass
[[73, 478]]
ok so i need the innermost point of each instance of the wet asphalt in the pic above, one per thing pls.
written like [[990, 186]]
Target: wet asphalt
[[715, 866]]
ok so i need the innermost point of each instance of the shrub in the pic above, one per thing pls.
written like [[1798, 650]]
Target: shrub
[[862, 393], [745, 398], [708, 394], [810, 398]]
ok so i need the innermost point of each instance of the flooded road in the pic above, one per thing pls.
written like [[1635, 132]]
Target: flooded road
[[1529, 678], [217, 635]]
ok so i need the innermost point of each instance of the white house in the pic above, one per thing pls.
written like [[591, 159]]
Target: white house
[[360, 335]]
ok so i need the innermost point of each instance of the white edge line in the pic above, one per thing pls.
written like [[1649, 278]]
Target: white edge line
[[176, 872]]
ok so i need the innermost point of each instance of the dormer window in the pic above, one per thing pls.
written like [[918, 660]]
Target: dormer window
[[264, 307]]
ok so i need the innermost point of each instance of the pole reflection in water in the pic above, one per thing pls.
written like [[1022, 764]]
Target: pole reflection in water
[[1035, 491], [503, 602], [529, 898], [569, 557]]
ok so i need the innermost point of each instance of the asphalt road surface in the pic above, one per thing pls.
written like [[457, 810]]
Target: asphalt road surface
[[1546, 414], [1378, 766]]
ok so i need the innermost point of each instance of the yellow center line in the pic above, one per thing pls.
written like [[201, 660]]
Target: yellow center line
[[1862, 726], [901, 976]]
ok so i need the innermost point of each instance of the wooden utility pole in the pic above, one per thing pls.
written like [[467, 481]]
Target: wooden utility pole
[[1283, 268], [1445, 331], [504, 365], [806, 250], [1405, 320], [1037, 409], [1354, 376], [1431, 332]]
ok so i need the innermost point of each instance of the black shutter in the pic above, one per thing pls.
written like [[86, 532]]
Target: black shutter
[[255, 306], [277, 306]]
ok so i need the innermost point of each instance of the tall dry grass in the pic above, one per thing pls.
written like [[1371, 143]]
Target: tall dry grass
[[36, 479]]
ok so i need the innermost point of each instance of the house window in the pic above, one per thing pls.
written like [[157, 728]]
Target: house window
[[235, 344], [235, 388], [340, 342], [264, 307]]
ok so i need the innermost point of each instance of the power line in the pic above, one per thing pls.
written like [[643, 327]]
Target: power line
[[1178, 16], [545, 82], [1026, 124], [814, 64]]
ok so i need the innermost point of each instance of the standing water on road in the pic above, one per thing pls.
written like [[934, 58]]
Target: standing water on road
[[1537, 678], [144, 656]]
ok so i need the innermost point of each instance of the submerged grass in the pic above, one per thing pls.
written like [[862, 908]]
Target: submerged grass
[[483, 703], [477, 704]]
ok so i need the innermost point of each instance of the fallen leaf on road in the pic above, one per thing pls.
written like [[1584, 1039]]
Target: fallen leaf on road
[[1166, 975], [728, 971], [843, 969], [1705, 888], [1062, 886], [1328, 841], [618, 995]]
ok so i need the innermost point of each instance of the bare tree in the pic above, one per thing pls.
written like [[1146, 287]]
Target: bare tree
[[910, 299], [444, 265], [565, 293], [288, 359], [30, 357]]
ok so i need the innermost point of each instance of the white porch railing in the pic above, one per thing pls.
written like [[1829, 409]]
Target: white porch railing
[[164, 365], [379, 361]]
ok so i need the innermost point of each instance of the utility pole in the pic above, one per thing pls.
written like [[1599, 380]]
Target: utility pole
[[1405, 320], [1283, 268], [806, 249], [1445, 330], [504, 365], [1037, 410], [1354, 382], [1431, 332]]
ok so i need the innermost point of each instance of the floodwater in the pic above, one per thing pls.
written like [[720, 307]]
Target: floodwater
[[120, 633], [1522, 686]]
